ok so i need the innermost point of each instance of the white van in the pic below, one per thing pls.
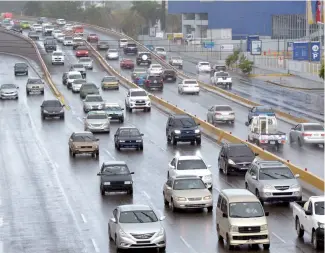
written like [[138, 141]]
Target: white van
[[123, 43], [241, 219]]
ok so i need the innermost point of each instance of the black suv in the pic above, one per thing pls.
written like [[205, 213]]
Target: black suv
[[52, 109], [169, 75], [115, 176], [154, 82], [182, 128], [50, 45], [130, 48], [128, 137], [21, 68], [143, 58], [235, 158]]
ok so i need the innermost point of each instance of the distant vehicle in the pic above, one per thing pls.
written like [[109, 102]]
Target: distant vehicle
[[126, 64], [273, 181], [88, 89], [176, 61], [137, 99], [78, 30], [47, 30], [235, 158], [57, 57], [132, 226], [68, 41], [309, 217], [82, 51], [222, 79], [143, 58], [102, 45], [154, 82], [24, 25], [307, 133], [87, 62], [150, 47], [123, 43], [52, 109], [41, 20], [130, 48], [77, 84], [218, 68], [79, 68], [182, 128], [7, 15], [16, 28], [260, 110], [189, 166], [55, 33], [97, 121], [128, 137], [155, 69], [60, 37], [34, 85], [77, 41], [71, 76], [83, 143], [187, 192], [169, 75], [220, 113], [115, 176], [110, 82], [115, 111], [93, 103], [161, 52], [112, 54], [60, 21], [92, 37], [9, 91], [189, 86], [203, 67], [138, 71], [21, 68], [50, 45], [37, 28]]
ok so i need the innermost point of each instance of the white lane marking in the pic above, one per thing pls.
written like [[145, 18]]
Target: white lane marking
[[278, 237], [1, 222], [95, 245], [187, 244], [56, 165], [83, 218], [1, 247], [80, 119], [109, 154], [146, 194]]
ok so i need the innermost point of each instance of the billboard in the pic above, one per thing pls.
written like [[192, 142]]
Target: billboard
[[306, 51], [256, 47], [250, 38]]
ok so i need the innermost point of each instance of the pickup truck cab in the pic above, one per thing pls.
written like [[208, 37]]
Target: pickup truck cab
[[222, 78], [309, 218]]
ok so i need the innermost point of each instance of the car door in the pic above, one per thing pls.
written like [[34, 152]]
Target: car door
[[218, 211], [210, 114], [169, 189], [220, 158], [71, 140], [113, 223], [253, 184], [168, 127], [128, 98], [308, 224], [296, 133], [172, 168], [224, 224], [116, 136]]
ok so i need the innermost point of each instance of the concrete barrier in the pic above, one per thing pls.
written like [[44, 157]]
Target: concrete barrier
[[222, 135]]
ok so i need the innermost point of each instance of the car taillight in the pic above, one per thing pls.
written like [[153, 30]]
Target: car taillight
[[304, 134], [137, 79], [322, 134], [161, 80]]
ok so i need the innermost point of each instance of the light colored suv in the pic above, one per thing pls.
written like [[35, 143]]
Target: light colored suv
[[187, 192], [241, 219], [97, 121], [137, 99], [83, 143], [34, 85], [273, 181]]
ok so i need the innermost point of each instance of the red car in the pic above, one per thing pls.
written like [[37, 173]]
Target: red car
[[92, 38], [82, 51], [127, 64]]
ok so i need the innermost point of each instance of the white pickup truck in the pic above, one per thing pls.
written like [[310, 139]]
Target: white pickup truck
[[263, 132], [309, 217], [222, 78]]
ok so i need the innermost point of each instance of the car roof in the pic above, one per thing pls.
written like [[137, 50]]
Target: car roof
[[204, 62], [82, 132], [126, 208], [311, 124], [114, 163], [269, 164], [239, 195], [96, 112], [222, 106], [236, 145], [186, 177], [181, 116], [74, 73], [189, 80], [189, 157], [112, 104], [94, 95], [128, 127], [136, 89]]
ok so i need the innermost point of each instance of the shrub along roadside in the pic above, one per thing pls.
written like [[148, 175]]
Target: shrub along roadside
[[239, 60]]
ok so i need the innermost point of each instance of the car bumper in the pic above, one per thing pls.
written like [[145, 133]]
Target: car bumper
[[86, 109], [238, 168], [224, 118], [144, 62], [252, 238], [116, 117], [314, 141], [97, 129], [130, 144], [131, 51], [170, 78], [57, 61], [135, 106], [88, 67], [289, 195], [53, 115], [21, 72], [76, 88], [112, 57], [85, 151], [193, 204], [190, 90], [82, 55], [35, 89], [117, 187], [187, 138], [154, 86], [103, 48], [223, 83], [130, 243], [9, 96], [110, 86], [205, 70]]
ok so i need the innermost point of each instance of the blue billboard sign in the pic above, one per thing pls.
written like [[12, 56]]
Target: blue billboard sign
[[208, 44], [250, 38], [306, 51]]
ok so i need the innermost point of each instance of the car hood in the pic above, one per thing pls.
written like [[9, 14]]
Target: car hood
[[9, 90], [195, 193], [140, 98], [118, 178], [86, 63], [53, 109], [96, 121], [244, 159], [21, 68], [199, 172], [280, 182], [141, 228], [258, 221], [93, 103]]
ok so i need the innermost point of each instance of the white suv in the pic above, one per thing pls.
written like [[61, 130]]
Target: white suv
[[57, 57], [137, 99], [68, 41]]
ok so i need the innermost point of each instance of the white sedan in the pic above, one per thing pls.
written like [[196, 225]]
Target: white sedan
[[155, 69], [189, 86], [203, 67]]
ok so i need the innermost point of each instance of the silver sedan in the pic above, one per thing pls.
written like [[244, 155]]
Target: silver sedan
[[9, 91], [220, 113], [93, 103], [307, 133], [97, 121], [136, 226]]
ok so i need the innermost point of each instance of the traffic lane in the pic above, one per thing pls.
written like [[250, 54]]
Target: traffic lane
[[199, 105]]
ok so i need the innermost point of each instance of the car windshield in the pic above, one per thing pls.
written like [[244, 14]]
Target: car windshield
[[109, 79], [184, 123], [123, 40], [103, 42], [138, 94], [222, 74], [57, 53], [191, 165], [60, 36], [129, 132], [223, 109], [113, 108], [169, 72], [89, 86], [94, 99], [82, 48], [132, 45], [84, 59], [205, 64], [21, 65], [188, 184], [275, 173], [112, 51], [145, 216], [78, 66], [160, 49], [319, 207], [97, 116], [77, 39], [34, 81], [50, 27], [74, 76], [52, 104], [116, 169], [220, 68], [240, 151], [8, 86], [139, 70], [79, 81], [68, 38], [313, 128], [264, 109], [156, 66], [190, 82], [84, 137], [246, 210]]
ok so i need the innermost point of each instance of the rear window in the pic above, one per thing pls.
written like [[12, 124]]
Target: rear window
[[220, 68], [204, 64], [132, 45], [57, 53], [82, 48], [79, 81], [34, 81], [52, 103], [170, 72], [78, 66], [84, 59], [156, 66], [89, 86], [84, 137], [68, 38], [190, 82], [123, 40], [154, 77], [21, 65], [112, 51], [160, 49], [313, 128], [139, 94], [74, 76], [224, 74], [223, 108], [109, 79]]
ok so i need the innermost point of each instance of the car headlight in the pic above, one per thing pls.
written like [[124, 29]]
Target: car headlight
[[267, 186], [264, 227], [295, 186], [138, 140], [207, 197], [208, 177], [177, 131], [231, 162], [45, 111], [62, 110], [161, 232], [234, 228], [181, 199], [127, 182], [122, 233], [121, 141], [100, 106], [320, 225], [197, 131]]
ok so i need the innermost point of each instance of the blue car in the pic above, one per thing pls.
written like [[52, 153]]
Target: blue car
[[260, 110], [150, 47], [140, 78]]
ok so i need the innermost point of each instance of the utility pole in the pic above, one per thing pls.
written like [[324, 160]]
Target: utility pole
[[163, 16]]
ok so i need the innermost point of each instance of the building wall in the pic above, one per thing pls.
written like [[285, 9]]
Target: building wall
[[244, 17]]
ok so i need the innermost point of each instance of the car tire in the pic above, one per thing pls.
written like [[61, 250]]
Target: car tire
[[43, 117], [93, 154], [73, 154], [210, 209], [168, 139], [172, 206], [300, 142], [299, 230], [257, 193], [130, 192], [141, 148], [118, 147], [225, 170], [166, 203], [109, 234], [122, 120], [102, 191], [27, 92], [62, 117], [229, 246], [198, 142], [130, 109], [173, 141], [266, 246]]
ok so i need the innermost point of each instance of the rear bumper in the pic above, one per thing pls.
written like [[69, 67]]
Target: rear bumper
[[53, 115], [190, 90], [82, 54], [245, 238], [9, 96], [85, 151], [224, 118], [35, 89], [127, 66], [187, 138], [119, 187], [314, 141], [130, 145]]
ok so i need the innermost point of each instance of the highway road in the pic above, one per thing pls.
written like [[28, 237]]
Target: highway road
[[310, 157], [50, 202]]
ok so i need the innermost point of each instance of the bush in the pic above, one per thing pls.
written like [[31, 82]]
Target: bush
[[245, 65], [232, 59], [321, 71]]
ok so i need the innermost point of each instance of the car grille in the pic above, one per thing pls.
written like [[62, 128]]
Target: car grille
[[250, 237], [117, 182], [194, 199], [282, 193], [187, 132], [281, 188], [140, 102], [96, 125], [255, 229], [85, 146], [143, 236], [132, 141]]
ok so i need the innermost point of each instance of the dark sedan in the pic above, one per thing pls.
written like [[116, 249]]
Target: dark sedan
[[102, 45], [33, 35], [52, 109], [128, 137], [115, 176], [21, 69], [169, 75]]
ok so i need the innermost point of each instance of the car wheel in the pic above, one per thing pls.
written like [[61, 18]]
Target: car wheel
[[266, 246], [109, 234], [257, 193], [118, 147], [220, 238], [174, 142], [246, 186], [102, 191], [229, 246], [130, 109], [62, 117], [141, 148], [168, 139], [198, 142], [225, 170], [290, 139], [122, 120], [130, 192], [210, 208], [166, 203], [27, 92], [316, 243], [172, 206], [299, 230], [73, 154], [93, 154], [300, 142]]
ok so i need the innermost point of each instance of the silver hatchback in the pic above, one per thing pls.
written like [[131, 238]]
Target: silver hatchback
[[273, 181], [93, 103], [97, 121], [307, 133], [220, 113], [87, 62]]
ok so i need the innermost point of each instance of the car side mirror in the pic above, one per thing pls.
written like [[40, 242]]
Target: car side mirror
[[222, 155], [292, 128], [267, 213], [172, 167], [131, 173], [224, 215], [297, 176], [209, 166], [113, 220], [307, 212], [97, 139], [141, 134], [122, 109], [198, 124], [162, 218], [128, 95], [246, 124], [254, 177], [99, 174]]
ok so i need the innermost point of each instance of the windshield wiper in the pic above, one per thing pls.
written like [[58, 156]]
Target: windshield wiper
[[140, 221], [269, 175], [279, 174]]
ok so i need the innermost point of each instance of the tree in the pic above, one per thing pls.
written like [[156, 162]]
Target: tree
[[149, 10], [232, 59], [32, 8], [321, 71], [174, 23], [245, 65]]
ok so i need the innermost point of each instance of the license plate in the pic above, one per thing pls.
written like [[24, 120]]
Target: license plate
[[250, 241], [169, 78], [155, 81], [272, 142], [316, 135]]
